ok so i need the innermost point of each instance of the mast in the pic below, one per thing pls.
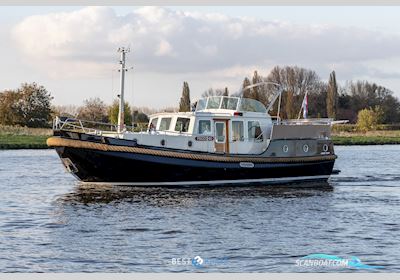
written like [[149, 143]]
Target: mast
[[122, 70]]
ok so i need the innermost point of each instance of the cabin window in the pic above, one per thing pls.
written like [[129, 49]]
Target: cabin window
[[165, 123], [229, 103], [237, 131], [153, 124], [204, 127], [182, 124], [201, 104], [254, 131], [213, 102], [220, 132], [251, 105]]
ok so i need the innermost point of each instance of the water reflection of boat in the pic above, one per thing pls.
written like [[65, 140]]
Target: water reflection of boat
[[160, 197], [225, 140]]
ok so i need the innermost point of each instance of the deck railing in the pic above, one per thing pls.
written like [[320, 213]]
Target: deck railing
[[321, 121], [85, 126]]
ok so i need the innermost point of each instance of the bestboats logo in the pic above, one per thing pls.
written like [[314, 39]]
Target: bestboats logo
[[200, 262], [197, 261]]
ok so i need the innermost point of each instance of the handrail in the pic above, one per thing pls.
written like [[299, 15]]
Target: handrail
[[61, 123], [308, 121]]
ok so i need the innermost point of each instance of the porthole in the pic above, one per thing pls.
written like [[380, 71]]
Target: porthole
[[305, 148], [325, 148], [190, 143], [163, 142], [285, 148]]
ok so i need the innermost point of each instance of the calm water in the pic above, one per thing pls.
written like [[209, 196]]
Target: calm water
[[48, 223]]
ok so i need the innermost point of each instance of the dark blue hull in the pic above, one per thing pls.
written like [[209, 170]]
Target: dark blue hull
[[102, 159], [120, 167]]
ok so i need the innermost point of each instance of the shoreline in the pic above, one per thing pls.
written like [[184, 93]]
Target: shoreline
[[19, 142], [364, 140]]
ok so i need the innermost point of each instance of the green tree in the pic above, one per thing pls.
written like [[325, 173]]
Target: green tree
[[289, 108], [70, 111], [184, 104], [8, 114], [94, 109], [246, 92], [218, 92], [30, 105], [368, 119], [390, 106], [113, 111], [317, 100], [358, 95], [332, 96], [256, 92], [207, 93], [295, 82], [226, 92], [34, 105], [140, 117]]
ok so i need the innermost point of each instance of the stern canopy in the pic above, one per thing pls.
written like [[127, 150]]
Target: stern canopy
[[230, 103]]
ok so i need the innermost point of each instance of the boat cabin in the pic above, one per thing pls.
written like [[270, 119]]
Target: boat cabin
[[219, 124]]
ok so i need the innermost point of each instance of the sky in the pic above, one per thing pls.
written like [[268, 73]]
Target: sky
[[72, 50]]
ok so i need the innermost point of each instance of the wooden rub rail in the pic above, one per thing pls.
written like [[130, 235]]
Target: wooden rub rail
[[62, 142]]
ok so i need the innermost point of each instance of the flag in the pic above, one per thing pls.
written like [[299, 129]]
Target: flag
[[305, 106]]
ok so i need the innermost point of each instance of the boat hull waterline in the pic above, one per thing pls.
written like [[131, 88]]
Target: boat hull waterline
[[123, 165]]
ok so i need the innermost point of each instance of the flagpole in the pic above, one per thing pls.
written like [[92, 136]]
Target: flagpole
[[305, 110], [302, 105]]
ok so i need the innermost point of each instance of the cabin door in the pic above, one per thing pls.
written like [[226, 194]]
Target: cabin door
[[221, 136]]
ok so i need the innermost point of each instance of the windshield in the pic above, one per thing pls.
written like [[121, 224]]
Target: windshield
[[251, 105], [231, 103]]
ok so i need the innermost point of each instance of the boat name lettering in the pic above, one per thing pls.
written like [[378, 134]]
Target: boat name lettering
[[204, 138], [246, 164]]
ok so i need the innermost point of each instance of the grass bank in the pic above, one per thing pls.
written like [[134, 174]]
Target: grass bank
[[376, 137], [23, 142], [364, 140], [14, 137]]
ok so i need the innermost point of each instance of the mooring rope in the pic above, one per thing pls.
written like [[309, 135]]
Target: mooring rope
[[62, 142]]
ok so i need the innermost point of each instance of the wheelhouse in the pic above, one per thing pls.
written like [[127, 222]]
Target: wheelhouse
[[224, 103], [219, 124]]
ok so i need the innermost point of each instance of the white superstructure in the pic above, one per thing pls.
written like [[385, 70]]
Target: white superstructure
[[220, 124]]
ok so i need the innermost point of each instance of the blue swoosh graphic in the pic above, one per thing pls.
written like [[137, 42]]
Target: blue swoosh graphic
[[352, 262]]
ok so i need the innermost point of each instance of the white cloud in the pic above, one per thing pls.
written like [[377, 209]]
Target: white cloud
[[162, 39], [164, 48]]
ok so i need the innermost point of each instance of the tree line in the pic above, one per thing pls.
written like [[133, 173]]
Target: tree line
[[325, 99], [95, 109], [30, 105]]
